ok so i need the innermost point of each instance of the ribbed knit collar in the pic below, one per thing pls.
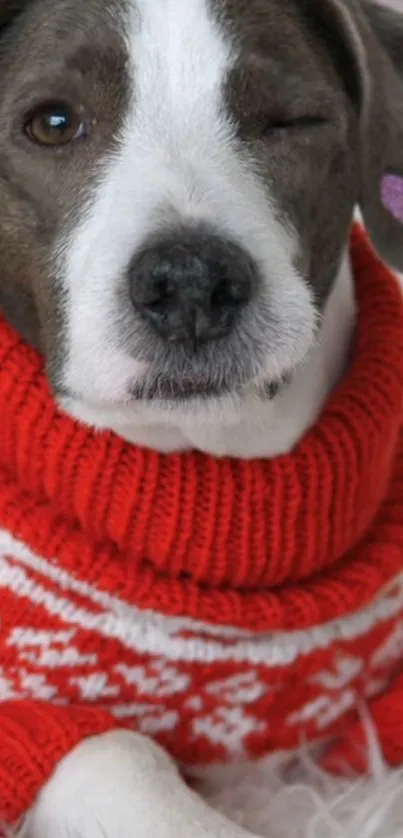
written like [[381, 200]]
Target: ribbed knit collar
[[248, 543]]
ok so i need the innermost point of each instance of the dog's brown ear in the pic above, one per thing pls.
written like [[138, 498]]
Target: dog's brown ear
[[373, 37]]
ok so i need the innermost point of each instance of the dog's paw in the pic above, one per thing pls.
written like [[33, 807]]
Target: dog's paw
[[122, 785]]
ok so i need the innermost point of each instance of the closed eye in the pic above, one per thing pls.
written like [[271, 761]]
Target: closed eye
[[298, 124]]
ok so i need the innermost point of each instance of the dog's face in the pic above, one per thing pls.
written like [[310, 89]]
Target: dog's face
[[177, 181]]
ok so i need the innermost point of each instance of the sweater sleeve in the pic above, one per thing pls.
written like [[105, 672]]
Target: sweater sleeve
[[34, 737]]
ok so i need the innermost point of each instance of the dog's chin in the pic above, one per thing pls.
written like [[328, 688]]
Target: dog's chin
[[171, 402]]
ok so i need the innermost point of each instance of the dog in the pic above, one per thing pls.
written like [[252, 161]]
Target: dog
[[178, 182]]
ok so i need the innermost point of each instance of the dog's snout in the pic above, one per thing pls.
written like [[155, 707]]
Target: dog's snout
[[191, 288]]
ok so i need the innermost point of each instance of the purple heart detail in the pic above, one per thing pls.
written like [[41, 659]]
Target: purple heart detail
[[392, 195]]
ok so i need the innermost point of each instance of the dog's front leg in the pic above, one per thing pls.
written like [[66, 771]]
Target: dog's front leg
[[122, 785]]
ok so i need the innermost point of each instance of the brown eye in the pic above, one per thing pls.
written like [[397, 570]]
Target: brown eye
[[54, 125]]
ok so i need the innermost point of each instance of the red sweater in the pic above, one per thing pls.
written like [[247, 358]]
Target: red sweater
[[228, 608]]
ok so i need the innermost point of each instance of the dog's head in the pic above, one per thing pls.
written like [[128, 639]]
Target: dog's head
[[177, 182]]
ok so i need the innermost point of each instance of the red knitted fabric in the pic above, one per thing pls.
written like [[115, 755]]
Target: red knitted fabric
[[29, 730], [226, 607]]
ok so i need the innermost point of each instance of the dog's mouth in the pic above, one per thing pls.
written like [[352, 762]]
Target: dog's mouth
[[196, 389], [174, 390]]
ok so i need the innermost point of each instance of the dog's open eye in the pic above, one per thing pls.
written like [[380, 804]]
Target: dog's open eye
[[54, 124]]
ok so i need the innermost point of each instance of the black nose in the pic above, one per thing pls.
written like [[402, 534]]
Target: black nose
[[191, 287]]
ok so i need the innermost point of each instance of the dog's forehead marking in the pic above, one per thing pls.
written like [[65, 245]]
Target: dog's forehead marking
[[179, 58], [173, 126]]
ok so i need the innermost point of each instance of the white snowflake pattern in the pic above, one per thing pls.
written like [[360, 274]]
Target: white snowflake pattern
[[227, 726], [94, 686], [244, 688], [151, 720], [158, 679], [346, 669], [324, 710], [26, 685], [49, 649]]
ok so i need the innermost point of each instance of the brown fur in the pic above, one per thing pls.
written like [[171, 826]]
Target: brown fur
[[48, 51]]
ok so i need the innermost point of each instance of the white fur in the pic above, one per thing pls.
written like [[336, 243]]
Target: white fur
[[177, 158], [289, 797], [122, 785]]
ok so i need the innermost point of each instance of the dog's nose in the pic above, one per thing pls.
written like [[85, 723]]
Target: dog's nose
[[191, 287]]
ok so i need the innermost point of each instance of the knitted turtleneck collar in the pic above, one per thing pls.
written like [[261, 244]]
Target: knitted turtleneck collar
[[257, 544]]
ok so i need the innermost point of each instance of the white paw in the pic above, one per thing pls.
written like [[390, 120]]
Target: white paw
[[122, 785]]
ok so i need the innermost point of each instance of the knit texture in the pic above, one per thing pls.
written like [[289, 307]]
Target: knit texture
[[226, 607], [29, 731]]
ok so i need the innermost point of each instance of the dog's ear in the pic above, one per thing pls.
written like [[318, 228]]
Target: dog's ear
[[370, 37], [387, 23]]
